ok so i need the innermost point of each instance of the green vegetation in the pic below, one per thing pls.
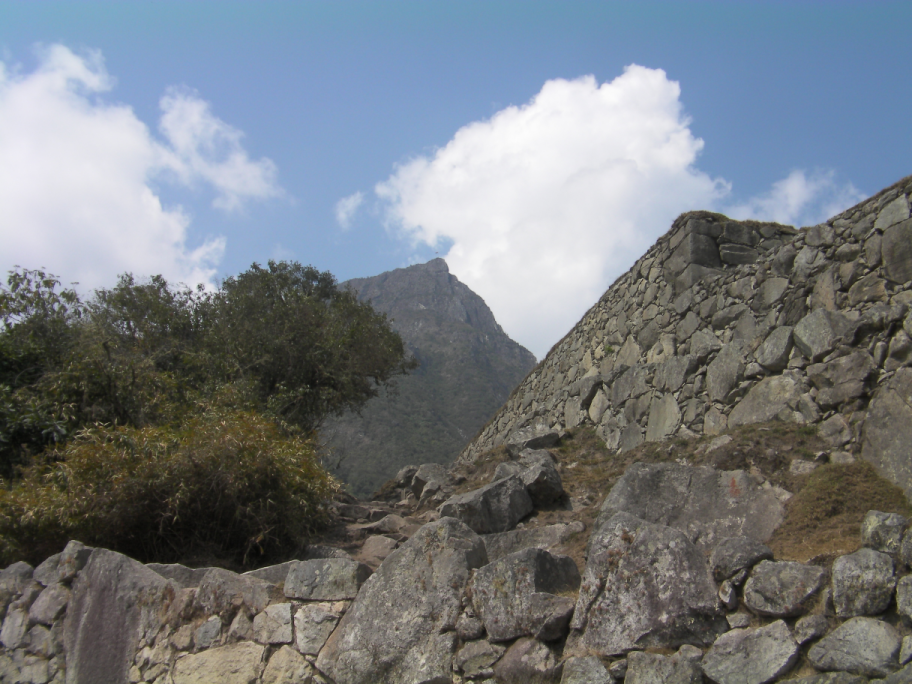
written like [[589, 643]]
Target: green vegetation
[[166, 422]]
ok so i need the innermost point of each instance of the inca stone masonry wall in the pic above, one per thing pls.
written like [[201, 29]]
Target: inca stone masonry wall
[[723, 323]]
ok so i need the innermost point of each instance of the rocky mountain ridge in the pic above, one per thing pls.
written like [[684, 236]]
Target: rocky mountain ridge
[[620, 519], [468, 367]]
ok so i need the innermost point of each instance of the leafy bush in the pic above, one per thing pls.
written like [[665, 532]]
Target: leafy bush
[[228, 486]]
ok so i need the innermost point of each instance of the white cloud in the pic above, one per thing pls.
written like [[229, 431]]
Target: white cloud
[[799, 199], [346, 209], [546, 203], [76, 173]]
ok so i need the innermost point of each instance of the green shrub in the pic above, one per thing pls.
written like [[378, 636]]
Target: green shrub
[[227, 486]]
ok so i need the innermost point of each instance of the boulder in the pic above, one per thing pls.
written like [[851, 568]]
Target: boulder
[[115, 603], [313, 623], [476, 658], [540, 476], [842, 379], [273, 625], [400, 627], [863, 583], [887, 430], [181, 574], [222, 592], [428, 472], [652, 668], [702, 344], [644, 585], [287, 665], [239, 663], [871, 288], [708, 505], [773, 354], [896, 251], [326, 579], [862, 646], [518, 595], [531, 438], [664, 418], [585, 670], [782, 588], [49, 605], [725, 372], [501, 544], [773, 398], [818, 333], [528, 661], [734, 554], [751, 656], [496, 507]]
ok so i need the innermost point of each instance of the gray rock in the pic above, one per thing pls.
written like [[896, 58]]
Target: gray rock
[[687, 326], [773, 398], [725, 372], [273, 625], [209, 633], [629, 385], [818, 333], [871, 288], [810, 627], [496, 507], [887, 430], [222, 592], [328, 579], [896, 251], [733, 554], [528, 661], [16, 625], [670, 376], [862, 646], [476, 659], [835, 431], [863, 583], [47, 572], [700, 250], [903, 676], [16, 577], [883, 531], [543, 482], [708, 505], [894, 212], [725, 317], [773, 354], [585, 670], [644, 585], [702, 344], [428, 472], [531, 438], [737, 254], [904, 596], [652, 668], [501, 544], [181, 574], [770, 292], [313, 623], [73, 558], [115, 603], [235, 664], [506, 469], [50, 604], [751, 656], [782, 588], [664, 418], [287, 665], [274, 574], [400, 626], [517, 595], [842, 379]]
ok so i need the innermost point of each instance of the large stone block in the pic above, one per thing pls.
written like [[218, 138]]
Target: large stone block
[[707, 505], [842, 379], [115, 603], [782, 588], [518, 595], [496, 507], [700, 250], [862, 646], [326, 579], [401, 626], [645, 585], [222, 592], [896, 251], [773, 398], [751, 656], [818, 333], [887, 431], [863, 583], [239, 663]]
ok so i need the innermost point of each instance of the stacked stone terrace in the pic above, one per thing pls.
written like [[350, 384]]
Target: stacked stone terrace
[[723, 323]]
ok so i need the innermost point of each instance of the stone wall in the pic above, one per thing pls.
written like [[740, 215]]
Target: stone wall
[[723, 323]]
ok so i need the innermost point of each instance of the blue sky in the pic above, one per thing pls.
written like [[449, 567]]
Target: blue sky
[[540, 147]]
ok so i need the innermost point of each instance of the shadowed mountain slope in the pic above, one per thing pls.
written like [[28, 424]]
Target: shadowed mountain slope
[[468, 367]]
